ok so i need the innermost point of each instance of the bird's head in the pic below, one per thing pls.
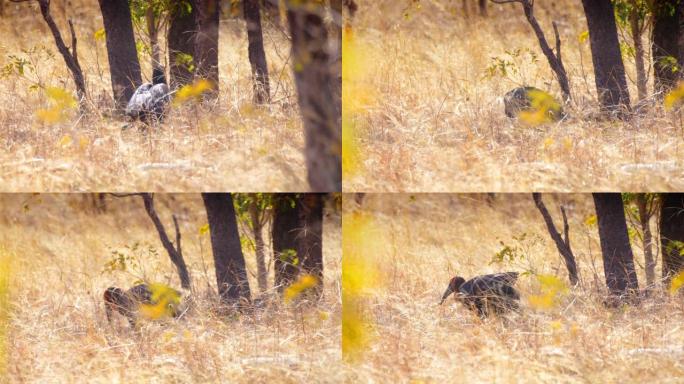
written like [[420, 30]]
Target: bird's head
[[454, 285]]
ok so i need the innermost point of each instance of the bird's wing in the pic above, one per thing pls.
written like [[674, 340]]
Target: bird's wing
[[500, 284], [159, 97], [141, 293], [136, 104]]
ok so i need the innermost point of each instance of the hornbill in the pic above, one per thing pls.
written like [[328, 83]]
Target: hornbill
[[150, 99], [482, 293], [127, 303]]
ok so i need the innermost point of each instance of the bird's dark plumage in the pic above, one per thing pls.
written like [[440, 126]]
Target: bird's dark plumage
[[149, 101], [487, 292]]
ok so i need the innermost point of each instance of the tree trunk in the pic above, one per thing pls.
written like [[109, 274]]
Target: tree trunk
[[609, 70], [229, 262], [206, 50], [175, 253], [483, 7], [70, 58], [181, 43], [644, 221], [153, 33], [318, 100], [672, 234], [310, 239], [260, 248], [618, 260], [124, 66], [284, 232], [636, 26], [563, 245], [666, 50], [257, 56]]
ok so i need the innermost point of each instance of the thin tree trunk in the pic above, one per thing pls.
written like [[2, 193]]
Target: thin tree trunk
[[257, 228], [229, 262], [70, 58], [124, 66], [672, 234], [257, 56], [609, 70], [181, 43], [175, 254], [618, 260], [483, 7], [318, 100], [206, 50], [284, 232], [636, 27], [667, 34], [310, 239], [644, 222], [563, 245], [153, 33]]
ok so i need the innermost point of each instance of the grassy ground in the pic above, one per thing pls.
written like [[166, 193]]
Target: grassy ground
[[229, 145], [59, 332], [427, 239], [433, 118]]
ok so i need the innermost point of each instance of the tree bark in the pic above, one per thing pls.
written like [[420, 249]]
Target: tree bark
[[609, 70], [257, 56], [183, 27], [667, 35], [636, 26], [284, 232], [70, 58], [563, 245], [124, 66], [259, 245], [482, 4], [672, 234], [175, 253], [153, 33], [206, 50], [644, 221], [310, 238], [618, 260], [229, 262], [318, 100]]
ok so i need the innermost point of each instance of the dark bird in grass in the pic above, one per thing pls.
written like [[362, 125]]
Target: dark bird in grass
[[486, 293], [150, 100], [128, 303], [531, 99]]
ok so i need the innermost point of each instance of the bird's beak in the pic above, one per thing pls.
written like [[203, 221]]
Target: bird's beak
[[448, 292]]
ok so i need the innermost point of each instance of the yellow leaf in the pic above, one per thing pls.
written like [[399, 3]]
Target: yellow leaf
[[164, 300], [99, 34], [583, 36], [303, 283], [591, 220], [193, 91], [548, 142], [674, 97], [65, 141], [676, 283], [204, 229]]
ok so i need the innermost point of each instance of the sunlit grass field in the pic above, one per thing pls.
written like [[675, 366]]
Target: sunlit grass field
[[569, 338], [427, 113], [225, 145], [58, 331]]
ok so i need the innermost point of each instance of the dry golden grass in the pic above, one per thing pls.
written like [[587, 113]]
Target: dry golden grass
[[427, 239], [59, 331], [230, 145], [435, 122]]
